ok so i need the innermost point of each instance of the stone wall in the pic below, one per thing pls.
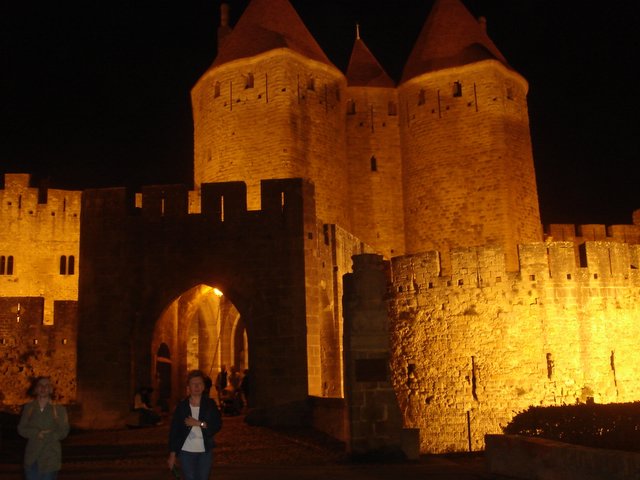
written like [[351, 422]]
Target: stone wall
[[39, 259], [468, 175], [288, 122], [473, 348], [375, 168], [541, 459]]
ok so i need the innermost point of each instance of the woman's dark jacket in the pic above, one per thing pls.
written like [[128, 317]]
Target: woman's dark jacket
[[209, 413]]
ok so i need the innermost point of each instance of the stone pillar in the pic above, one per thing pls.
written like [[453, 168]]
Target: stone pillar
[[374, 418]]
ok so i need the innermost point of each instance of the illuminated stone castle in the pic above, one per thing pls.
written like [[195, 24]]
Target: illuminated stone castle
[[298, 169]]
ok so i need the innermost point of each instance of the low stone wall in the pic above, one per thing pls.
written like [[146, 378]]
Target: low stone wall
[[329, 415], [541, 459]]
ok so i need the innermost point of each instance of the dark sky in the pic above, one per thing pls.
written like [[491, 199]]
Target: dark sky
[[97, 93]]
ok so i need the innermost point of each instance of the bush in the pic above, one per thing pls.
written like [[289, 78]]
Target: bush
[[613, 426]]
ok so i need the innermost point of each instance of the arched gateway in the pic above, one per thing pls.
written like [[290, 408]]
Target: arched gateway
[[149, 269]]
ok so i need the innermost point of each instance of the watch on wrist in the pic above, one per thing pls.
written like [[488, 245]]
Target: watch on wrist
[[201, 424]]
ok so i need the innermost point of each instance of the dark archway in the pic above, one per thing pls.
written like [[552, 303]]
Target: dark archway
[[198, 325]]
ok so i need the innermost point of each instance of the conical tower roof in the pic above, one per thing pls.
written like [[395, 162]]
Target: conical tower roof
[[267, 25], [364, 70], [451, 37]]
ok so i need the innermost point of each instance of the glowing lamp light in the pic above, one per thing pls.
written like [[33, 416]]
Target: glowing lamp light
[[217, 292]]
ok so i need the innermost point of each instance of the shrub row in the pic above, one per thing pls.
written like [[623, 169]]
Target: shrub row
[[613, 426]]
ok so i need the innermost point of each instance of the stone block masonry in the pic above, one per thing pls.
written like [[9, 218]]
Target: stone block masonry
[[471, 349]]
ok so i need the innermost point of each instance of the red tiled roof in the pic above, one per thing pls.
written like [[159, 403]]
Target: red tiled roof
[[267, 25], [451, 37]]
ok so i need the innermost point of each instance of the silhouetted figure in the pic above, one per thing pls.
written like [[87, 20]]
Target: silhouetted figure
[[221, 381], [43, 424], [142, 405], [246, 388]]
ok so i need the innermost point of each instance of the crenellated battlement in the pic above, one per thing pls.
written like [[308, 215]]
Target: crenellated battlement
[[223, 202], [555, 261], [20, 199], [595, 232]]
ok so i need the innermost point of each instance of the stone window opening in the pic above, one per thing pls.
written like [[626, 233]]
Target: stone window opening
[[325, 233], [6, 265], [248, 81], [392, 108], [311, 84], [411, 376], [474, 380], [216, 90], [612, 362], [67, 265], [374, 163], [457, 89], [422, 97], [550, 366], [351, 107], [509, 93]]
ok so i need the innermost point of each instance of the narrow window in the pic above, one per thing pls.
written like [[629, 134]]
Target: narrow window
[[249, 81], [374, 164], [612, 362], [311, 84], [351, 107], [63, 265], [509, 93], [216, 90], [457, 89], [474, 380], [549, 366], [3, 262], [71, 265], [422, 97], [10, 265], [392, 109]]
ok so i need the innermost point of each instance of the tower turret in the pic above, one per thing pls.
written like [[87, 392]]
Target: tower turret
[[467, 160], [373, 150], [271, 106]]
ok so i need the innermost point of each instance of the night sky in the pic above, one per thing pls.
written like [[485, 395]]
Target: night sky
[[97, 94]]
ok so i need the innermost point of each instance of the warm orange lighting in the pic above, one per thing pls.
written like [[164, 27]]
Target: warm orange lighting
[[217, 292]]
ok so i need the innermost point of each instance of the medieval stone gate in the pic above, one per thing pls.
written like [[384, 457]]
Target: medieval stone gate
[[139, 255]]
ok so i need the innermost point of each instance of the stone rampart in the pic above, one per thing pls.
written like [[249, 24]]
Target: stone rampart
[[471, 349], [39, 265]]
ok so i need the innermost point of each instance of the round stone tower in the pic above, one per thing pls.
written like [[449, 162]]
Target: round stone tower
[[373, 150], [468, 169], [272, 106]]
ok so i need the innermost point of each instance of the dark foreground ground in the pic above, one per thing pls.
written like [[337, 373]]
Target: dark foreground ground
[[243, 452]]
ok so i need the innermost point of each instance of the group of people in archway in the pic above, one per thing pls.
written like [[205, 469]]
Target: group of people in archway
[[233, 389]]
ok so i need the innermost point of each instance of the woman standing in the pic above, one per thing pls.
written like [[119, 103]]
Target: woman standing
[[43, 424], [195, 421]]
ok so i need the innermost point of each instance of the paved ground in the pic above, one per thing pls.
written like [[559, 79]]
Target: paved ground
[[243, 452]]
